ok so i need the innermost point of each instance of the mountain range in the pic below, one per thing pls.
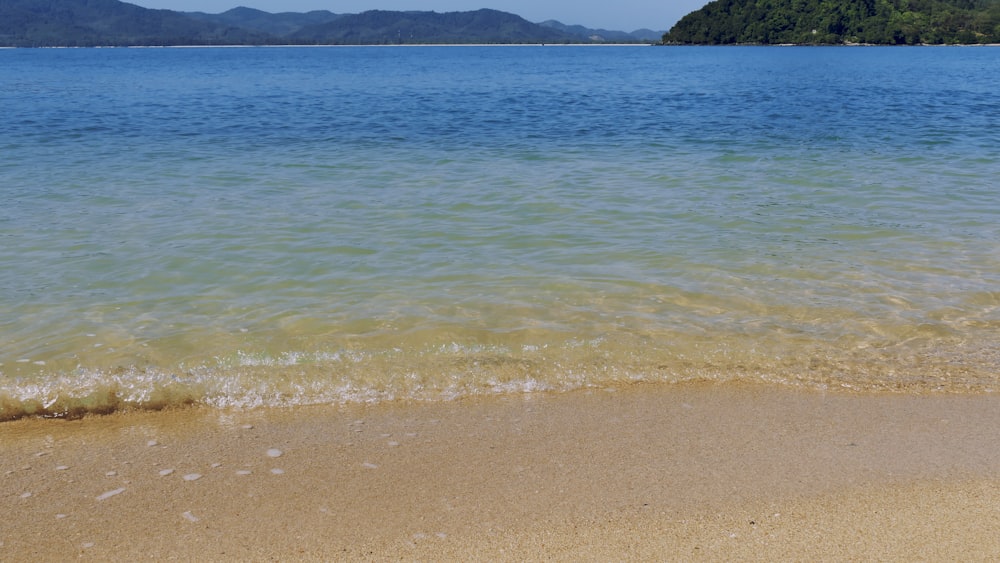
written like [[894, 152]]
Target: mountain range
[[82, 23]]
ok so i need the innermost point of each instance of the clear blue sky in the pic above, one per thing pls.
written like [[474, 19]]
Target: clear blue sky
[[624, 15]]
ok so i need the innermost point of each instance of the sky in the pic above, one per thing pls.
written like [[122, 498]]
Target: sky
[[620, 15]]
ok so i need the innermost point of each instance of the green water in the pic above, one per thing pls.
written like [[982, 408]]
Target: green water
[[295, 226]]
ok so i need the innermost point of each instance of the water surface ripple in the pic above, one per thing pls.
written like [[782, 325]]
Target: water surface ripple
[[277, 226]]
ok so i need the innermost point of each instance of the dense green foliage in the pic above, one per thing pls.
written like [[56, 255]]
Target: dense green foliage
[[880, 22]]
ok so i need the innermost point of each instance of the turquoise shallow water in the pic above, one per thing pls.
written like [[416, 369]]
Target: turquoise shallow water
[[284, 226]]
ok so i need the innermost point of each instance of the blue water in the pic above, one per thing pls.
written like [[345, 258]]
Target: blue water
[[274, 226]]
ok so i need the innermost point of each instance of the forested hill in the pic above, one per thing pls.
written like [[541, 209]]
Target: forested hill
[[79, 23], [278, 25], [83, 23], [879, 22], [385, 27]]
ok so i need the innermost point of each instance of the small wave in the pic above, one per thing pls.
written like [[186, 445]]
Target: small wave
[[248, 380]]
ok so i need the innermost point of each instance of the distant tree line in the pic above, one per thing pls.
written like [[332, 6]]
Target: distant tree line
[[878, 22]]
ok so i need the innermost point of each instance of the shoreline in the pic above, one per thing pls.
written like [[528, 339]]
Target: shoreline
[[647, 44], [693, 470], [327, 45]]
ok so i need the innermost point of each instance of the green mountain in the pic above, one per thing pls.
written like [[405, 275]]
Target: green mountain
[[879, 22], [378, 27], [279, 25], [82, 23]]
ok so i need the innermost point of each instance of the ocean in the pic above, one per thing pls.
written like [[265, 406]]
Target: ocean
[[267, 227]]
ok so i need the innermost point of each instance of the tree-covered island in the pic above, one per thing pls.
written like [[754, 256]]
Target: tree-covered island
[[834, 22]]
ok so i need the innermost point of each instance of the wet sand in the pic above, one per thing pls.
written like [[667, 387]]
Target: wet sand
[[665, 472]]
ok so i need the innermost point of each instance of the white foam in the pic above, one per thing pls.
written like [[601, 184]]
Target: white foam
[[190, 517], [165, 472], [274, 452], [192, 476]]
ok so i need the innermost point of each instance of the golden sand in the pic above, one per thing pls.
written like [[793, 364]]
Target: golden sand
[[653, 472]]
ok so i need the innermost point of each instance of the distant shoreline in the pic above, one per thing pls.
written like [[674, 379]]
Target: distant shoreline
[[338, 45], [825, 45], [411, 45]]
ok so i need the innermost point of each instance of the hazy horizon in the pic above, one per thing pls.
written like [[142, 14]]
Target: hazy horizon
[[628, 15]]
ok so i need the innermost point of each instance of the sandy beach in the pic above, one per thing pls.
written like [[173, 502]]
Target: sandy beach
[[650, 472]]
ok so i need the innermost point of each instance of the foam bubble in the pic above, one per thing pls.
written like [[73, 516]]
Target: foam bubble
[[456, 369]]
